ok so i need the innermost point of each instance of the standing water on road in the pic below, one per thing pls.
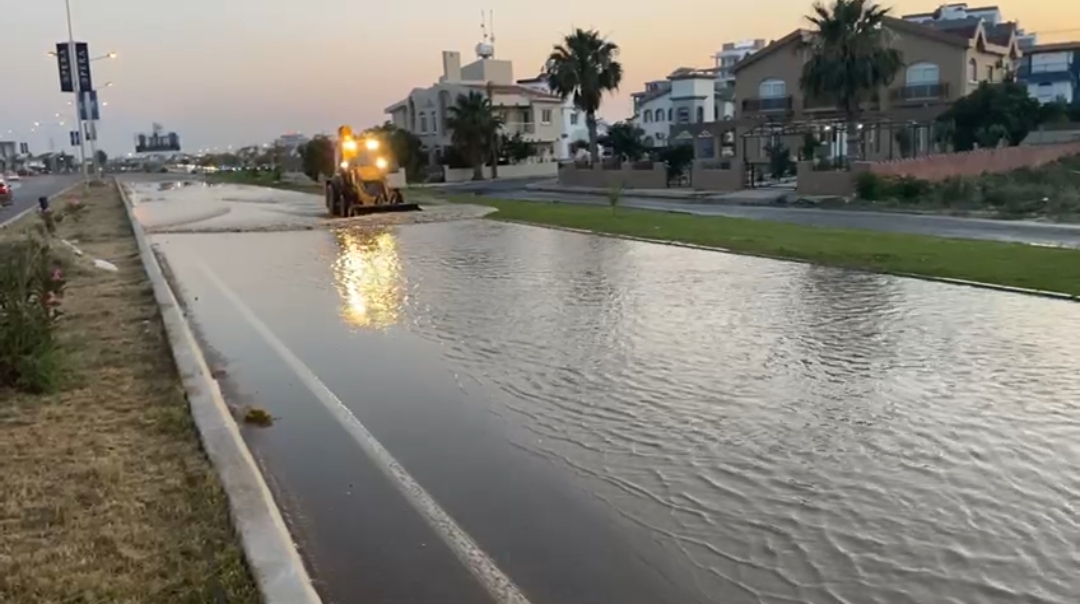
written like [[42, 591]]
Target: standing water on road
[[789, 432], [742, 430]]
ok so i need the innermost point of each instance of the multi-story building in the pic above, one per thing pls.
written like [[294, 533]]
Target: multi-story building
[[571, 119], [687, 96], [1052, 72], [533, 113], [942, 64], [730, 54], [961, 15]]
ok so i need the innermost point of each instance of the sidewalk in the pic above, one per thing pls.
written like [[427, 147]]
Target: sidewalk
[[767, 196]]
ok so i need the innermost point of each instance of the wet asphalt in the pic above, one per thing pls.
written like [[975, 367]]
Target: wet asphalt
[[605, 436]]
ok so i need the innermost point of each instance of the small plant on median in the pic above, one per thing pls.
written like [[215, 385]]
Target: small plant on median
[[614, 196], [31, 289], [75, 209]]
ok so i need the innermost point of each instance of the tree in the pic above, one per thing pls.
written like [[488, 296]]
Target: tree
[[677, 159], [515, 148], [979, 117], [407, 148], [849, 59], [584, 67], [317, 157], [473, 125], [627, 141]]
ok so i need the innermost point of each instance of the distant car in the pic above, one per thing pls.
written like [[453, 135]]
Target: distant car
[[6, 195], [11, 176]]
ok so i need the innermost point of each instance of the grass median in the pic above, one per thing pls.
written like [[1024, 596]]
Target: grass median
[[1016, 265], [107, 494]]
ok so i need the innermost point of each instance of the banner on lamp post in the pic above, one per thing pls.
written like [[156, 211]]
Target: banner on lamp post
[[75, 140], [91, 131], [89, 110], [82, 66], [63, 63]]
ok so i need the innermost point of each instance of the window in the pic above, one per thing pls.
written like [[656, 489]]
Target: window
[[921, 74], [526, 116], [772, 89], [545, 116], [705, 148], [684, 115], [973, 71], [701, 114], [648, 116], [669, 115], [990, 73], [423, 123], [716, 113], [573, 118]]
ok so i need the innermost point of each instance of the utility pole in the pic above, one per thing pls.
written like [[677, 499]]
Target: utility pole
[[78, 91]]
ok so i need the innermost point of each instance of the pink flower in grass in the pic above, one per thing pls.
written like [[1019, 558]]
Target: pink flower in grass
[[57, 274]]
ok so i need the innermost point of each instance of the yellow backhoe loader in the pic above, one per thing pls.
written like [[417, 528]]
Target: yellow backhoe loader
[[363, 182]]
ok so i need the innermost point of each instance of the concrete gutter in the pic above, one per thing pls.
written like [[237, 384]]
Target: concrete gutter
[[948, 280], [271, 554]]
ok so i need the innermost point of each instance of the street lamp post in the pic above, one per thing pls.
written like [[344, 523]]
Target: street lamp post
[[78, 92]]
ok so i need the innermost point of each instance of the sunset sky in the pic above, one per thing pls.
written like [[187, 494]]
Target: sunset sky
[[234, 72]]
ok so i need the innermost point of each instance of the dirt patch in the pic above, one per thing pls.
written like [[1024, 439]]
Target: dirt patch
[[107, 495]]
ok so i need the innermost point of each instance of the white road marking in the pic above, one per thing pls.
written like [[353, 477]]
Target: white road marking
[[501, 588]]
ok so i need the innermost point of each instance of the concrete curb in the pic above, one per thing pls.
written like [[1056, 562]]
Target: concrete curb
[[10, 221], [947, 280], [269, 549]]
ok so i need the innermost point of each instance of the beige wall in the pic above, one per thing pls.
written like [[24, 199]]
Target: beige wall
[[708, 178], [918, 49], [784, 64], [627, 178], [524, 170]]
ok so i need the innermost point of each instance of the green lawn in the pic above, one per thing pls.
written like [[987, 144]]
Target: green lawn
[[262, 179], [1018, 265]]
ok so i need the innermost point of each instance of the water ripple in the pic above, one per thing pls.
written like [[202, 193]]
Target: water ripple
[[791, 433]]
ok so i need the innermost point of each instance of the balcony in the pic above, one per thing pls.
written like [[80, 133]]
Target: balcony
[[762, 105], [915, 94], [828, 104]]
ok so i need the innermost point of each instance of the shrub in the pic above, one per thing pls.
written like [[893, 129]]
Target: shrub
[[31, 288], [955, 191], [871, 187], [909, 188]]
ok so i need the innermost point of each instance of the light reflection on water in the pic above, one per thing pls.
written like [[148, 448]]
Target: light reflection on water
[[367, 274]]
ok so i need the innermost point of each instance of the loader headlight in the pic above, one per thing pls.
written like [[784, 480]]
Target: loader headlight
[[349, 145], [381, 163], [344, 165], [372, 144]]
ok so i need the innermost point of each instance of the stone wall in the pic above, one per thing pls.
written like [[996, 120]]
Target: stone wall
[[710, 177], [626, 177]]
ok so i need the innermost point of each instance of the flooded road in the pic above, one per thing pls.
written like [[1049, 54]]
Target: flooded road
[[611, 421]]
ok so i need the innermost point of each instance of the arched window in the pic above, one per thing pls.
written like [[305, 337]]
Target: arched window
[[973, 71], [701, 114], [772, 89], [648, 116], [423, 123], [684, 115], [716, 113], [922, 73]]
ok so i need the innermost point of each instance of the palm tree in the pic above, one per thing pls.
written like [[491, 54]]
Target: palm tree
[[584, 67], [473, 124], [849, 59]]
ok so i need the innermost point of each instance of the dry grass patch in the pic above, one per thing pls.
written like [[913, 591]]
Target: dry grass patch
[[105, 494]]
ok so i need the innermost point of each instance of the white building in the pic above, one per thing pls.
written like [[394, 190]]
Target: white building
[[572, 120], [730, 54], [686, 96], [532, 112]]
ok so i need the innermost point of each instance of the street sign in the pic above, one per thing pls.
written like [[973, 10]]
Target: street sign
[[24, 148], [74, 134], [82, 66], [91, 131], [88, 105], [63, 63]]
